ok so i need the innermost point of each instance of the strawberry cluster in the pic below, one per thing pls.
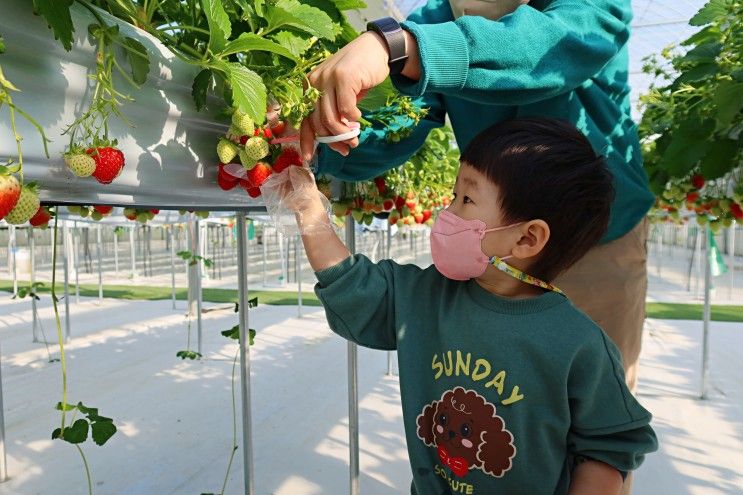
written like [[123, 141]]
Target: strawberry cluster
[[97, 212], [248, 154], [103, 161]]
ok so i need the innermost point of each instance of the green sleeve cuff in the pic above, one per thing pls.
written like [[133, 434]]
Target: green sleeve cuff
[[444, 56], [329, 275], [329, 162]]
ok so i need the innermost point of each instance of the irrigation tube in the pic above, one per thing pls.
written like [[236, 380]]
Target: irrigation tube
[[66, 246], [242, 287], [353, 385]]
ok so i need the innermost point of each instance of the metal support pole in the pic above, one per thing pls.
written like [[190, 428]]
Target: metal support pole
[[66, 242], [35, 316], [76, 259], [132, 252], [387, 255], [11, 254], [731, 253], [298, 272], [3, 460], [242, 287], [99, 240], [172, 264], [264, 241], [353, 386], [707, 315], [116, 252], [194, 278]]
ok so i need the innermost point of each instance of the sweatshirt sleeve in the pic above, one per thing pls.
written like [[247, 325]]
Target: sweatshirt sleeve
[[607, 422], [358, 297], [524, 57], [375, 155]]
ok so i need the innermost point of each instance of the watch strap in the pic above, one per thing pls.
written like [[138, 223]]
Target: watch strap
[[391, 31]]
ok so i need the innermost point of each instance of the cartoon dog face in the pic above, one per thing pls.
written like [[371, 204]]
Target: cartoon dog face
[[463, 425]]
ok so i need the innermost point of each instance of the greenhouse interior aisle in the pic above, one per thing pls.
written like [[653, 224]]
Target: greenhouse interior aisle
[[175, 417]]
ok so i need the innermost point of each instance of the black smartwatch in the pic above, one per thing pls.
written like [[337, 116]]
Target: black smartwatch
[[391, 31]]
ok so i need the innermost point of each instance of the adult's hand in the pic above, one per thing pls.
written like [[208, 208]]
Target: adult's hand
[[343, 80]]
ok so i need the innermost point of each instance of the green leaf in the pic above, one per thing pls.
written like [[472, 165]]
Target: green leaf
[[378, 96], [689, 143], [88, 411], [185, 255], [77, 433], [706, 52], [139, 60], [258, 6], [2, 45], [713, 10], [57, 15], [248, 91], [102, 431], [220, 28], [232, 333], [201, 84], [188, 355], [349, 4], [247, 42], [720, 159], [729, 101], [706, 34], [698, 73], [68, 407], [296, 44], [303, 17]]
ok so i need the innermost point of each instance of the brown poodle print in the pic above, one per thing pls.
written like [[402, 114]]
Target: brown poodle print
[[467, 433]]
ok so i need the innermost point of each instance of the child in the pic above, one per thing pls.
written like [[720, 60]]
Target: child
[[506, 387]]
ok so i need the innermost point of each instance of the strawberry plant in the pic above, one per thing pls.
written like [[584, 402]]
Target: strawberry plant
[[692, 120]]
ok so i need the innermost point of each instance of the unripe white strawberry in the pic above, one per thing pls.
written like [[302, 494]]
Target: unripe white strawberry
[[243, 123], [226, 150], [256, 148], [26, 207], [81, 164]]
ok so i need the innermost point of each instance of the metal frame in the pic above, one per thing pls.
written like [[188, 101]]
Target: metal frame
[[353, 386]]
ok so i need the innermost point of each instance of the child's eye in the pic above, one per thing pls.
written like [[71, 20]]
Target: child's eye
[[466, 200]]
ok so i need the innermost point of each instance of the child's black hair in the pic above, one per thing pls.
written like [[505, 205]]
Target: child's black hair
[[546, 169]]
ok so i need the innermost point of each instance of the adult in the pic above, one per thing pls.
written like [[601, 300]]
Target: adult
[[559, 58]]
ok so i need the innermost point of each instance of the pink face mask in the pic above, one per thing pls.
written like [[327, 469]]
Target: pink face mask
[[456, 246]]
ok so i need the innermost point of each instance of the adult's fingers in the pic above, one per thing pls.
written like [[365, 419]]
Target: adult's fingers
[[328, 114], [306, 140], [346, 98]]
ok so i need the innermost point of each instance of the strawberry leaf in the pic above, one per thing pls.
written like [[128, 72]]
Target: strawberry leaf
[[300, 16], [247, 42], [295, 43], [220, 28], [201, 84], [76, 433], [248, 91], [139, 60], [713, 10], [57, 15], [102, 431], [2, 45]]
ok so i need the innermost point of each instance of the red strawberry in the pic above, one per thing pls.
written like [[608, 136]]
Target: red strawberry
[[154, 211], [253, 192], [426, 215], [258, 174], [108, 163], [267, 133], [103, 210], [381, 185], [279, 128], [256, 132], [41, 218], [244, 139], [697, 181], [418, 218], [411, 203], [399, 202], [737, 211], [288, 157], [388, 204], [692, 196], [10, 191], [225, 180]]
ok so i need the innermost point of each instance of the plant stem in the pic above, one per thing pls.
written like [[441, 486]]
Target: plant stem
[[234, 425], [87, 470], [60, 337]]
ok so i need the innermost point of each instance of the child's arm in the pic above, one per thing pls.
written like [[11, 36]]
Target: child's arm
[[591, 477]]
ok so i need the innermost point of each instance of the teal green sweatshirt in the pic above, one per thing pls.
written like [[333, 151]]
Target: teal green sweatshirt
[[559, 58], [498, 395]]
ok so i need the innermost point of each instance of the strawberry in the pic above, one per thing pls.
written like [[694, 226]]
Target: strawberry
[[399, 202], [358, 215], [393, 218], [257, 133], [226, 150], [692, 196], [697, 181], [103, 209], [418, 217], [10, 191], [737, 211], [26, 206], [242, 122], [388, 204], [426, 215], [340, 210], [244, 139], [381, 185], [256, 148], [411, 203], [267, 133], [289, 156], [225, 180], [278, 128], [108, 163], [130, 213], [253, 192], [81, 164], [258, 174], [41, 218], [202, 214], [154, 211], [97, 216], [246, 161]]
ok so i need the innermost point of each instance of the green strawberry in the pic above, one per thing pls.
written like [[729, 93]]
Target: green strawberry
[[202, 214], [246, 161], [358, 215], [243, 123], [81, 164], [26, 207], [226, 150], [97, 216], [10, 192], [256, 148]]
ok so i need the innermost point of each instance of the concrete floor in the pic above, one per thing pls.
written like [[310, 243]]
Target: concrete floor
[[174, 417]]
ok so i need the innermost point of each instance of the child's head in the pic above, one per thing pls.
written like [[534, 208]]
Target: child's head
[[543, 175]]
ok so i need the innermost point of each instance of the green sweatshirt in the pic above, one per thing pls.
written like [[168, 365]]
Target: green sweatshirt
[[559, 58], [498, 395]]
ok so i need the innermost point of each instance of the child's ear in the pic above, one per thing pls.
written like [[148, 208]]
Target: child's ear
[[534, 236]]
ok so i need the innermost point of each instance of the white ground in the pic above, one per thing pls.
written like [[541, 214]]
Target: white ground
[[175, 424]]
